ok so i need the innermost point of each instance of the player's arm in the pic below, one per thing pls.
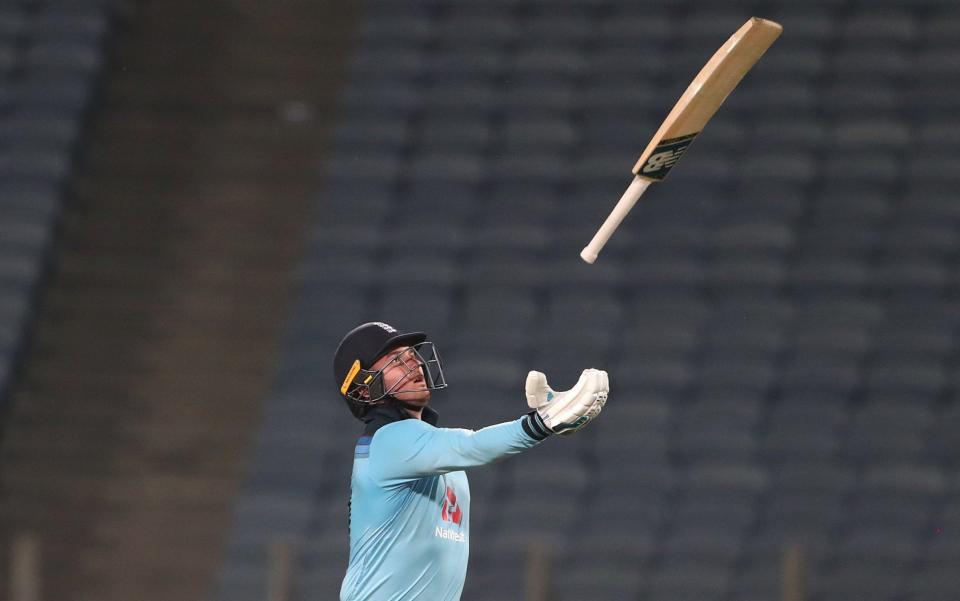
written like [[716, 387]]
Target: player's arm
[[412, 449]]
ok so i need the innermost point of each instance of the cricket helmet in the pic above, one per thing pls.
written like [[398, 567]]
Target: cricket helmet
[[361, 386]]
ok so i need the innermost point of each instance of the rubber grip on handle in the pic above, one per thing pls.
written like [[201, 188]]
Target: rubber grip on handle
[[634, 191]]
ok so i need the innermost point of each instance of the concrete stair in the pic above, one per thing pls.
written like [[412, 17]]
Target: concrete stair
[[156, 335]]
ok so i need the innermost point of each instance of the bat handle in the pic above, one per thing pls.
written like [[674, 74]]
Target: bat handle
[[636, 189]]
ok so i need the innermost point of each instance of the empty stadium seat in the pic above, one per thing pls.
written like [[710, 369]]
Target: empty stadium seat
[[934, 583], [883, 431], [683, 580], [602, 579], [804, 428], [878, 582], [899, 497], [640, 428]]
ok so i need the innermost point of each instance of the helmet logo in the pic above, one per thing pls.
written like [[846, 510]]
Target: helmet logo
[[385, 326]]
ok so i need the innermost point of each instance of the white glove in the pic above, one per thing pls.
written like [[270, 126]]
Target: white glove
[[568, 411]]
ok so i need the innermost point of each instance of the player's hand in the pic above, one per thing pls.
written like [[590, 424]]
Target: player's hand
[[568, 411]]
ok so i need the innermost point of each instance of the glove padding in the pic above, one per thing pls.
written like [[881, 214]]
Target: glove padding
[[568, 411]]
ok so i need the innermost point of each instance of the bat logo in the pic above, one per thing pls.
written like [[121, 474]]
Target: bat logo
[[662, 160], [665, 156]]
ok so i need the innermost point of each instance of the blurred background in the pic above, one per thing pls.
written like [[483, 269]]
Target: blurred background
[[198, 198]]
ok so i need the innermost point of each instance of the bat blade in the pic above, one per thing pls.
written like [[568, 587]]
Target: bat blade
[[704, 96]]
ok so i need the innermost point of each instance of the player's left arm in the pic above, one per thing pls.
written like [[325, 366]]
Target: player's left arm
[[413, 449]]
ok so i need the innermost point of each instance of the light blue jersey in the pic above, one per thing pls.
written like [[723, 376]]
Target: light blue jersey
[[410, 504]]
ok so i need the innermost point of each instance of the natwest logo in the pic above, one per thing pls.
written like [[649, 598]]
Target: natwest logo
[[450, 534], [450, 510]]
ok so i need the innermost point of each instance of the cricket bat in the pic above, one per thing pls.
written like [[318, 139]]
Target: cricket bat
[[696, 106]]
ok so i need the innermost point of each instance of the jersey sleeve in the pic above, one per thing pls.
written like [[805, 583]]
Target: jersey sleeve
[[412, 449]]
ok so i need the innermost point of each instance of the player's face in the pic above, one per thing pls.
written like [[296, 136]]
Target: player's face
[[403, 375]]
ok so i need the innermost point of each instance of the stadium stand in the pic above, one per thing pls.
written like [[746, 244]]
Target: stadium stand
[[52, 56], [137, 391], [780, 319]]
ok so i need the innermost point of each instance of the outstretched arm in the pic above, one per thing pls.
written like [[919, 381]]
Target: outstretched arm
[[412, 449]]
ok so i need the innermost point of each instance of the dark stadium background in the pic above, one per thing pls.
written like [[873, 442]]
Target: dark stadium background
[[198, 198]]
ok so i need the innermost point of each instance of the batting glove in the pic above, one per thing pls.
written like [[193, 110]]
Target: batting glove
[[568, 411]]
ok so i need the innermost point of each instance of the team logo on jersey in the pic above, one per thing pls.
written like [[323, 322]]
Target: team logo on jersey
[[450, 510]]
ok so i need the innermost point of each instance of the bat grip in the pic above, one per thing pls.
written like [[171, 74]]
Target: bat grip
[[636, 189]]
